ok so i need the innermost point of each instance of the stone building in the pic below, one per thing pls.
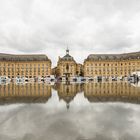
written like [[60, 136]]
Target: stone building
[[79, 69], [68, 66], [29, 66], [107, 65]]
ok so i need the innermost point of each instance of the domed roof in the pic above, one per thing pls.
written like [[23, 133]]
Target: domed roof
[[67, 56]]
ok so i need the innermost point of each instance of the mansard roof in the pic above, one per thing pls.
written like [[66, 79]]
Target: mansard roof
[[109, 98], [67, 57], [32, 57], [124, 56], [24, 99]]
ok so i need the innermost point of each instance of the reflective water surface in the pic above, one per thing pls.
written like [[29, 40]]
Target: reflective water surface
[[87, 111]]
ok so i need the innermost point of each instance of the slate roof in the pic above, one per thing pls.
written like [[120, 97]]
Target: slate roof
[[124, 56], [67, 57], [32, 57]]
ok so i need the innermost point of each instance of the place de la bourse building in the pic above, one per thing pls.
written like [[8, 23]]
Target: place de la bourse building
[[112, 65], [30, 66], [67, 66], [105, 65]]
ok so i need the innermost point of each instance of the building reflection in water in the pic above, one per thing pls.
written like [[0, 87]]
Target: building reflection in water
[[114, 91], [25, 93], [67, 91], [94, 92]]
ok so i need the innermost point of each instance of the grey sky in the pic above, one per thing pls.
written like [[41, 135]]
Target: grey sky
[[87, 26]]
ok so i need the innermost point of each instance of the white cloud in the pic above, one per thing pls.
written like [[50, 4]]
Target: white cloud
[[91, 26]]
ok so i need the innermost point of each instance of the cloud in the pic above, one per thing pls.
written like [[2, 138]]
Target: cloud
[[98, 121], [47, 26]]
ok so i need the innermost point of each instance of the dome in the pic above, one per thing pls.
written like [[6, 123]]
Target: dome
[[67, 56]]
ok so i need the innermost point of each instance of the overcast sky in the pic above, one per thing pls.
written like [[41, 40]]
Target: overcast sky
[[87, 26]]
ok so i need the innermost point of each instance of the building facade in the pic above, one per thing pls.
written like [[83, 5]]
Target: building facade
[[67, 66], [104, 65], [114, 65], [29, 66], [79, 69]]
